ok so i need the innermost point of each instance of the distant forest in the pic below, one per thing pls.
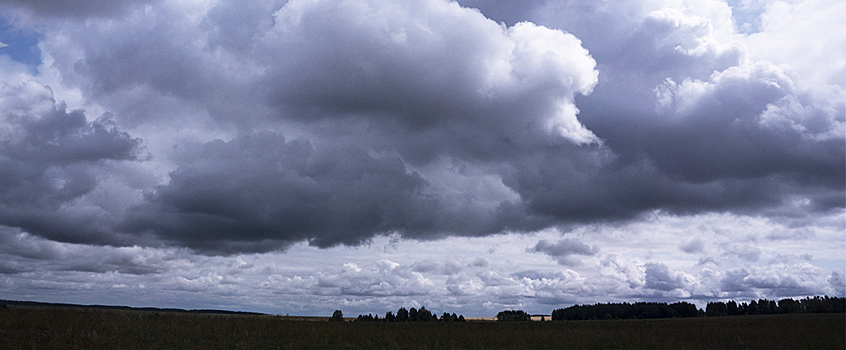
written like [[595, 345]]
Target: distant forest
[[645, 310], [638, 310], [405, 315], [513, 315]]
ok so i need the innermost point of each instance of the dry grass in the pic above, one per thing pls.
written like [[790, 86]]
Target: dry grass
[[69, 328]]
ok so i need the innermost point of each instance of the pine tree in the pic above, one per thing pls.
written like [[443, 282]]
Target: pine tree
[[402, 315]]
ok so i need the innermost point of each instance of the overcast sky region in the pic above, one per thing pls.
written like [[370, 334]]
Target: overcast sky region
[[301, 156]]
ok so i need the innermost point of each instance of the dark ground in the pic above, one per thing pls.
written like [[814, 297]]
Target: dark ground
[[87, 328]]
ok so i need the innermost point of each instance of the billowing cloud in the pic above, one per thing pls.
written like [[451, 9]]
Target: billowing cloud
[[448, 97], [385, 279], [796, 34], [50, 159], [267, 192], [660, 278], [794, 279], [235, 130], [693, 123], [425, 65], [416, 85]]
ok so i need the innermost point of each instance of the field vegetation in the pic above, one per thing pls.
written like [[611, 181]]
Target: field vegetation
[[87, 328]]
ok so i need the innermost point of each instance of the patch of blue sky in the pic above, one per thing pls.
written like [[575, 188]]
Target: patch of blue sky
[[747, 15], [19, 45]]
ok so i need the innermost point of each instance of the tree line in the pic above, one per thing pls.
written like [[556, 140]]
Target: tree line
[[513, 315], [645, 310], [404, 315], [639, 310], [816, 304]]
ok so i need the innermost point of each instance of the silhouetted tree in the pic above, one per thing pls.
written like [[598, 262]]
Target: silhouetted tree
[[766, 307], [402, 315], [424, 315], [789, 306], [823, 304], [715, 308], [337, 316], [731, 308], [684, 309], [753, 308], [743, 308], [650, 311], [512, 315]]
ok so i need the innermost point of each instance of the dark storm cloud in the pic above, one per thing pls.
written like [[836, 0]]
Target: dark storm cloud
[[749, 140], [721, 139], [454, 85], [692, 126], [21, 252], [644, 127], [556, 187], [262, 192], [265, 192], [730, 122], [396, 107], [49, 158], [423, 69]]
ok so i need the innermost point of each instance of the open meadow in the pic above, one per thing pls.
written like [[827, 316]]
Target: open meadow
[[80, 328]]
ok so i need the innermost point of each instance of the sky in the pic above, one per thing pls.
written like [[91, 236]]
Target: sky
[[302, 156]]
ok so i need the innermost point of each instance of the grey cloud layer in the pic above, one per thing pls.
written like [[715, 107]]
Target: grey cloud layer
[[273, 192], [563, 249], [49, 158], [467, 277], [351, 119], [79, 9], [696, 126]]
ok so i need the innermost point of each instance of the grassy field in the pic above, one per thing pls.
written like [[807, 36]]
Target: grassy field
[[70, 328]]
